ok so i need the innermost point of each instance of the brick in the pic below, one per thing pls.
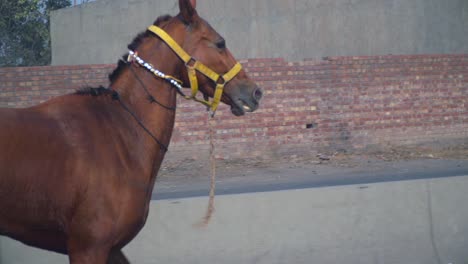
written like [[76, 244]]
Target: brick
[[396, 99]]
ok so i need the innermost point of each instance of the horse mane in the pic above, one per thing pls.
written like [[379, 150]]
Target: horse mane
[[95, 91], [122, 63]]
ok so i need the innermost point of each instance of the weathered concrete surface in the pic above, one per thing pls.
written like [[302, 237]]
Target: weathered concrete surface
[[98, 32], [422, 221]]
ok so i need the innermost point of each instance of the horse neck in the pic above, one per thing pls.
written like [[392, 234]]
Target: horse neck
[[133, 81]]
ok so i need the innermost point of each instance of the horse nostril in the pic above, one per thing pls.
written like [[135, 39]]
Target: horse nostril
[[258, 94]]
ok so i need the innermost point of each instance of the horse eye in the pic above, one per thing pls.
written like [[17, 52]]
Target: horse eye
[[221, 44]]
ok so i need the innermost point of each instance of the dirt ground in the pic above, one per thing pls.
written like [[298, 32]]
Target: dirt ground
[[187, 169]]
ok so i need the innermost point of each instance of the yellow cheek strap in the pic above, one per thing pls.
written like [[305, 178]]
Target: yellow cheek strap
[[219, 80]]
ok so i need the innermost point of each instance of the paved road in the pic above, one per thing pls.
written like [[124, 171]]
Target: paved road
[[405, 212], [312, 176]]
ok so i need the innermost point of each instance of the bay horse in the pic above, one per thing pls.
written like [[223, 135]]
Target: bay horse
[[77, 172]]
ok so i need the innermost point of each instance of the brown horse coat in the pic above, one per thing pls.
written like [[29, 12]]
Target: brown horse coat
[[77, 172]]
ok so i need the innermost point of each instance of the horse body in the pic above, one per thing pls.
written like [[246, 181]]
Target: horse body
[[77, 172], [86, 163]]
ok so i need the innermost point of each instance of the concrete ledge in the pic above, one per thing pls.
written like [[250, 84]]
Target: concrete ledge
[[421, 221]]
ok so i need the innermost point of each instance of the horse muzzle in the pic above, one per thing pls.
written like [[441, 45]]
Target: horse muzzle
[[246, 98]]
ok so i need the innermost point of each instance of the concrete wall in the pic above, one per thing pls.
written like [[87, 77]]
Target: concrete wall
[[99, 32], [418, 222]]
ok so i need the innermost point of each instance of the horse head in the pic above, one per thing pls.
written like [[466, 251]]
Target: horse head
[[209, 47], [207, 65]]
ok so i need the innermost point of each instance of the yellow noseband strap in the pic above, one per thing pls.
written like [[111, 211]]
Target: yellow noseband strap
[[219, 80]]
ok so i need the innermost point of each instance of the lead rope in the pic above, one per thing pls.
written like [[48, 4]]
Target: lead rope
[[210, 209]]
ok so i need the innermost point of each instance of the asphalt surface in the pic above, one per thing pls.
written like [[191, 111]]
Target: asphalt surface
[[250, 180], [366, 213]]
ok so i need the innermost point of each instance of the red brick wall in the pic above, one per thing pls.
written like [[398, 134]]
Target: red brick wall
[[337, 103]]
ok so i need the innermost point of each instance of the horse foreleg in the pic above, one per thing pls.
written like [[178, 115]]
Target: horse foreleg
[[117, 257], [88, 257], [81, 254]]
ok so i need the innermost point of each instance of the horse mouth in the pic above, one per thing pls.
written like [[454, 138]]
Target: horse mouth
[[240, 107]]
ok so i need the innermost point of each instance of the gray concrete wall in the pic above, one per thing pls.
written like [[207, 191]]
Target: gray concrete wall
[[98, 32], [418, 222]]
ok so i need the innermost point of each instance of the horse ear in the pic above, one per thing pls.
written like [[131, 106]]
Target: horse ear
[[188, 10]]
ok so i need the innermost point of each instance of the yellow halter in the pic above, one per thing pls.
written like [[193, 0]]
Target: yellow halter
[[219, 80]]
